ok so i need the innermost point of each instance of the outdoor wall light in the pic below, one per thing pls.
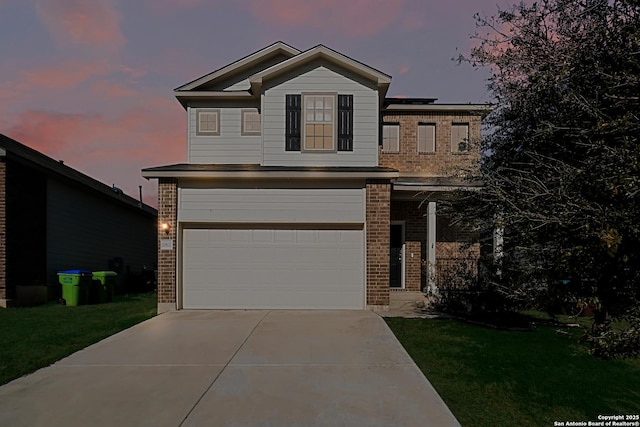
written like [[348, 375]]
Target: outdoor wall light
[[166, 227]]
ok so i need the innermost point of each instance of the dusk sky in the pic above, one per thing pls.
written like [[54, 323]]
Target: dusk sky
[[90, 81]]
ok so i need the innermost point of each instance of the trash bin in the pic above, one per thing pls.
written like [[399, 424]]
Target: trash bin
[[107, 284], [75, 286]]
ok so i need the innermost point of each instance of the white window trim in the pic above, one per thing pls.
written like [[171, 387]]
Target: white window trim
[[395, 126], [303, 123], [455, 145], [244, 131], [433, 135], [200, 132]]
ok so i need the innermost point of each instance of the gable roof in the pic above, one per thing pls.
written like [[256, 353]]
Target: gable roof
[[292, 58], [321, 52], [12, 149], [278, 48]]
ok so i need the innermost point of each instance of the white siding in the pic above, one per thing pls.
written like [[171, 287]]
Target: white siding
[[230, 147], [241, 85], [321, 79], [284, 205]]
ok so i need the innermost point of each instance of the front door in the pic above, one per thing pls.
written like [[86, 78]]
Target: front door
[[396, 255]]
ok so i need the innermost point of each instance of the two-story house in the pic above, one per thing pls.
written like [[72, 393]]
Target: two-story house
[[305, 187]]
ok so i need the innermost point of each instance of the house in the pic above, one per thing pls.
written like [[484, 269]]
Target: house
[[54, 218], [305, 187]]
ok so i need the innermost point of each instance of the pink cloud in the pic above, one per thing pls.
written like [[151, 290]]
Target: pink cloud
[[132, 72], [356, 18], [413, 22], [112, 150], [164, 7], [64, 75], [404, 69], [82, 22], [106, 89]]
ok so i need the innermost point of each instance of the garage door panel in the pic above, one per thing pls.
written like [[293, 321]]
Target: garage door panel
[[264, 268]]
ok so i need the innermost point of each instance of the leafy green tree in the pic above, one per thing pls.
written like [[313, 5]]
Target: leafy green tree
[[561, 163]]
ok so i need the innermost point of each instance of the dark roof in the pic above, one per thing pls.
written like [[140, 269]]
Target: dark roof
[[14, 149], [191, 167], [452, 181], [236, 62], [346, 56], [409, 101]]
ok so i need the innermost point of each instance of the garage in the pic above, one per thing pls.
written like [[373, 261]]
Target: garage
[[273, 267]]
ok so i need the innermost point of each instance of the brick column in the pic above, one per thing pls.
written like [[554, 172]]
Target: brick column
[[378, 218], [3, 232], [167, 213]]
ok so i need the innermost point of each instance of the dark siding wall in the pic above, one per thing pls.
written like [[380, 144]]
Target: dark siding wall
[[87, 231], [26, 233]]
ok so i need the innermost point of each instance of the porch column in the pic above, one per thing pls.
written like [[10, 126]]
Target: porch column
[[431, 247]]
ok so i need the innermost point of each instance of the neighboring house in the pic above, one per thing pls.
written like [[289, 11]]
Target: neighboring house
[[55, 218], [305, 187]]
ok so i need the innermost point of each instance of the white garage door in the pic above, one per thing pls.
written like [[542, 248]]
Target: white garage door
[[273, 268]]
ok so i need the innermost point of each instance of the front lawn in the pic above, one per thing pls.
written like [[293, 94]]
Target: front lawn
[[35, 337], [491, 377]]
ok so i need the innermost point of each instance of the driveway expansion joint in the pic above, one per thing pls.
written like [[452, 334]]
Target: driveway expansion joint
[[225, 367]]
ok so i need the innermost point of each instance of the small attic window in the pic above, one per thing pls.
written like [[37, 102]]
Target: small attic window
[[207, 122]]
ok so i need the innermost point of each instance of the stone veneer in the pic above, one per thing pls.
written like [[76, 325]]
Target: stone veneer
[[167, 212]]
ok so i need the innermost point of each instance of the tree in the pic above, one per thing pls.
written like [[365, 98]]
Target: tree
[[561, 163]]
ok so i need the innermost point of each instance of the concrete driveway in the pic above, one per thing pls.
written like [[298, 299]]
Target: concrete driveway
[[233, 368]]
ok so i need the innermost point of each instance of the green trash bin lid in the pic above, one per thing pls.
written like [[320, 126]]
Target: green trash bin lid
[[105, 273]]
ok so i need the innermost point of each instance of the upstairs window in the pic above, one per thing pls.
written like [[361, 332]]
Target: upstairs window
[[207, 122], [319, 118], [391, 137], [251, 122], [459, 137], [314, 122], [426, 138]]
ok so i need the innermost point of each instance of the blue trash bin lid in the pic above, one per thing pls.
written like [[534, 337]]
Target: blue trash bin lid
[[79, 272]]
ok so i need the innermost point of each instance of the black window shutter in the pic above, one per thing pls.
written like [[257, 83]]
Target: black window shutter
[[293, 112], [345, 122]]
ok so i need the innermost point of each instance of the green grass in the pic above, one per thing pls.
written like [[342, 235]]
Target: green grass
[[35, 337], [491, 377]]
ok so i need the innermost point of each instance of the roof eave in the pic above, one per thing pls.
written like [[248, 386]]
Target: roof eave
[[278, 47], [481, 108], [149, 174], [184, 97], [382, 80]]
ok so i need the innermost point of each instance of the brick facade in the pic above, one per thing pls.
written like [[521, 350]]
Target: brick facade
[[442, 162], [3, 230], [378, 226], [167, 212]]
